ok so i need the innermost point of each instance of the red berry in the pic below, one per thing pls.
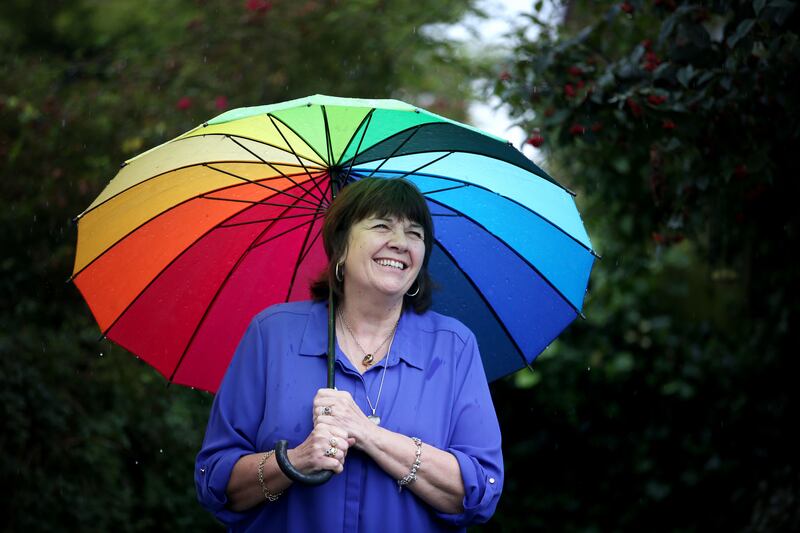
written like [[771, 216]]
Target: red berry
[[535, 140], [627, 7], [575, 71], [569, 90], [635, 108], [221, 103], [668, 125], [184, 103], [577, 129], [656, 99]]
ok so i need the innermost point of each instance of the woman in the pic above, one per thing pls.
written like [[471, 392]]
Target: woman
[[411, 409]]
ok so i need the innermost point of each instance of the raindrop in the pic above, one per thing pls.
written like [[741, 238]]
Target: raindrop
[[161, 450], [588, 369], [101, 354], [136, 462]]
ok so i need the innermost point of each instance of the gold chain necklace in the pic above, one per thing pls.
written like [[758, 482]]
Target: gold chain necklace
[[368, 357]]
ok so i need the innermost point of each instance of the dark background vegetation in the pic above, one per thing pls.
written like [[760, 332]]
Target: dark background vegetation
[[671, 408]]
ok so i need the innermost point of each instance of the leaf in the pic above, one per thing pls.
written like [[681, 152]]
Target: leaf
[[758, 5], [685, 75], [779, 10], [741, 31]]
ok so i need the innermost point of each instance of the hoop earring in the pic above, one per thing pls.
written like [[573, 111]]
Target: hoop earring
[[338, 274], [415, 292]]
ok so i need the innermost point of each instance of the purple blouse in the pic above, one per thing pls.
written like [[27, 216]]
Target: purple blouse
[[434, 389]]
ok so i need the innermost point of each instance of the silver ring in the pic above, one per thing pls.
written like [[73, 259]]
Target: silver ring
[[330, 452], [333, 442], [327, 410]]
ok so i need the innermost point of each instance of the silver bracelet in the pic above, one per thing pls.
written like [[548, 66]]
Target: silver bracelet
[[269, 496], [411, 477]]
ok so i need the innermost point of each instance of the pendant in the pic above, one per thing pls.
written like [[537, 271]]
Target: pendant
[[375, 419], [368, 360]]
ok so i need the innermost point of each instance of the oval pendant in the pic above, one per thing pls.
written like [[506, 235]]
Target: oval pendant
[[375, 419], [368, 360]]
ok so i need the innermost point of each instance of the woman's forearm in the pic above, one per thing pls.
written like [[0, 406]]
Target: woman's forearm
[[244, 490], [439, 481]]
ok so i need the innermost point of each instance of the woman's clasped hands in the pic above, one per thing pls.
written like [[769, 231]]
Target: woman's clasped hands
[[339, 424]]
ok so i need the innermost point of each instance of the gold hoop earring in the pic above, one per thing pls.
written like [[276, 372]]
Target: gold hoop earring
[[338, 274], [415, 292]]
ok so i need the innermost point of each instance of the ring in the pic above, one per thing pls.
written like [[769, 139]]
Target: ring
[[333, 442], [327, 410], [330, 452]]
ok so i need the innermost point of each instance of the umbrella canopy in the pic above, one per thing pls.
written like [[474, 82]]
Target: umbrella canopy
[[194, 237]]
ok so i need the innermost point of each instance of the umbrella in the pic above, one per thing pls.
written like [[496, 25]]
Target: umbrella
[[192, 238]]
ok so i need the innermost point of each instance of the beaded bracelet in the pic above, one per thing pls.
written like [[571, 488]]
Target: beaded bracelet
[[270, 496], [411, 477]]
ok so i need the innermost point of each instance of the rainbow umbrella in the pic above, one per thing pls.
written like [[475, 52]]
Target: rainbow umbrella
[[194, 237]]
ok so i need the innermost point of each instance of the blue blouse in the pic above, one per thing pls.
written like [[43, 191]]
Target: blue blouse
[[434, 389]]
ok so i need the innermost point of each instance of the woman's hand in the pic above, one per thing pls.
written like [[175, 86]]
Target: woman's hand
[[343, 413], [310, 456]]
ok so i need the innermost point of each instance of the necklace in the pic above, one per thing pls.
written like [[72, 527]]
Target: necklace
[[375, 419], [368, 357]]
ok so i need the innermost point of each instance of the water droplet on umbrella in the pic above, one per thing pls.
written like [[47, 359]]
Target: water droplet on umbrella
[[161, 450], [101, 354], [588, 369]]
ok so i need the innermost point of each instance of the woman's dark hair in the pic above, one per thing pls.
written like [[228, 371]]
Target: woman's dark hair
[[374, 197]]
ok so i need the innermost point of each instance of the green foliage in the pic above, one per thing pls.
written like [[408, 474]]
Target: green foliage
[[91, 438], [670, 407]]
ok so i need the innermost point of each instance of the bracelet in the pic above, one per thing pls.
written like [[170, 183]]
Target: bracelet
[[411, 477], [269, 496]]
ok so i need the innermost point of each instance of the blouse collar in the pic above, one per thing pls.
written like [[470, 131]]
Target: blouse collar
[[407, 344]]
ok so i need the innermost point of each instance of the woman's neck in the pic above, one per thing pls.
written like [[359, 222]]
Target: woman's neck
[[370, 317]]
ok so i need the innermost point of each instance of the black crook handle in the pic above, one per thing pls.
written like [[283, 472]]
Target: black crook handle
[[317, 478]]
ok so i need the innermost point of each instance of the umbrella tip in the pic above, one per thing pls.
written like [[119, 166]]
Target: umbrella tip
[[416, 110], [205, 124], [122, 165], [582, 315], [571, 192], [596, 254]]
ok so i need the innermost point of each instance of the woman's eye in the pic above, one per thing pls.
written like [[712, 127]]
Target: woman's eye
[[415, 234], [381, 226]]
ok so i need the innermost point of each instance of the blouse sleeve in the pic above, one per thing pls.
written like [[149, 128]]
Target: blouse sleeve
[[232, 426], [475, 441]]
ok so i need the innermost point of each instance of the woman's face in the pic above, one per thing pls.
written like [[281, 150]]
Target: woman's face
[[384, 255]]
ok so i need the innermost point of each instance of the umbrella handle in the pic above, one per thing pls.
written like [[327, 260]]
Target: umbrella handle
[[316, 478]]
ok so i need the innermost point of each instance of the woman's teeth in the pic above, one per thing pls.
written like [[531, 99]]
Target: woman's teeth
[[390, 263]]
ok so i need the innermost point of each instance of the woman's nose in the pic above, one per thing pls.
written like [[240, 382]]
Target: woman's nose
[[398, 239]]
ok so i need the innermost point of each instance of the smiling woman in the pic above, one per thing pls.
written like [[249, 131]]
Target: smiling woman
[[411, 410]]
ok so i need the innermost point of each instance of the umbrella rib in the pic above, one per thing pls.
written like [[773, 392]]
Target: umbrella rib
[[416, 169], [414, 131], [273, 189], [486, 302], [198, 164], [310, 246], [281, 234], [168, 265], [526, 208], [273, 167], [202, 196], [368, 120], [515, 252], [255, 202], [300, 256], [260, 220], [200, 322], [545, 176], [274, 121], [327, 134]]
